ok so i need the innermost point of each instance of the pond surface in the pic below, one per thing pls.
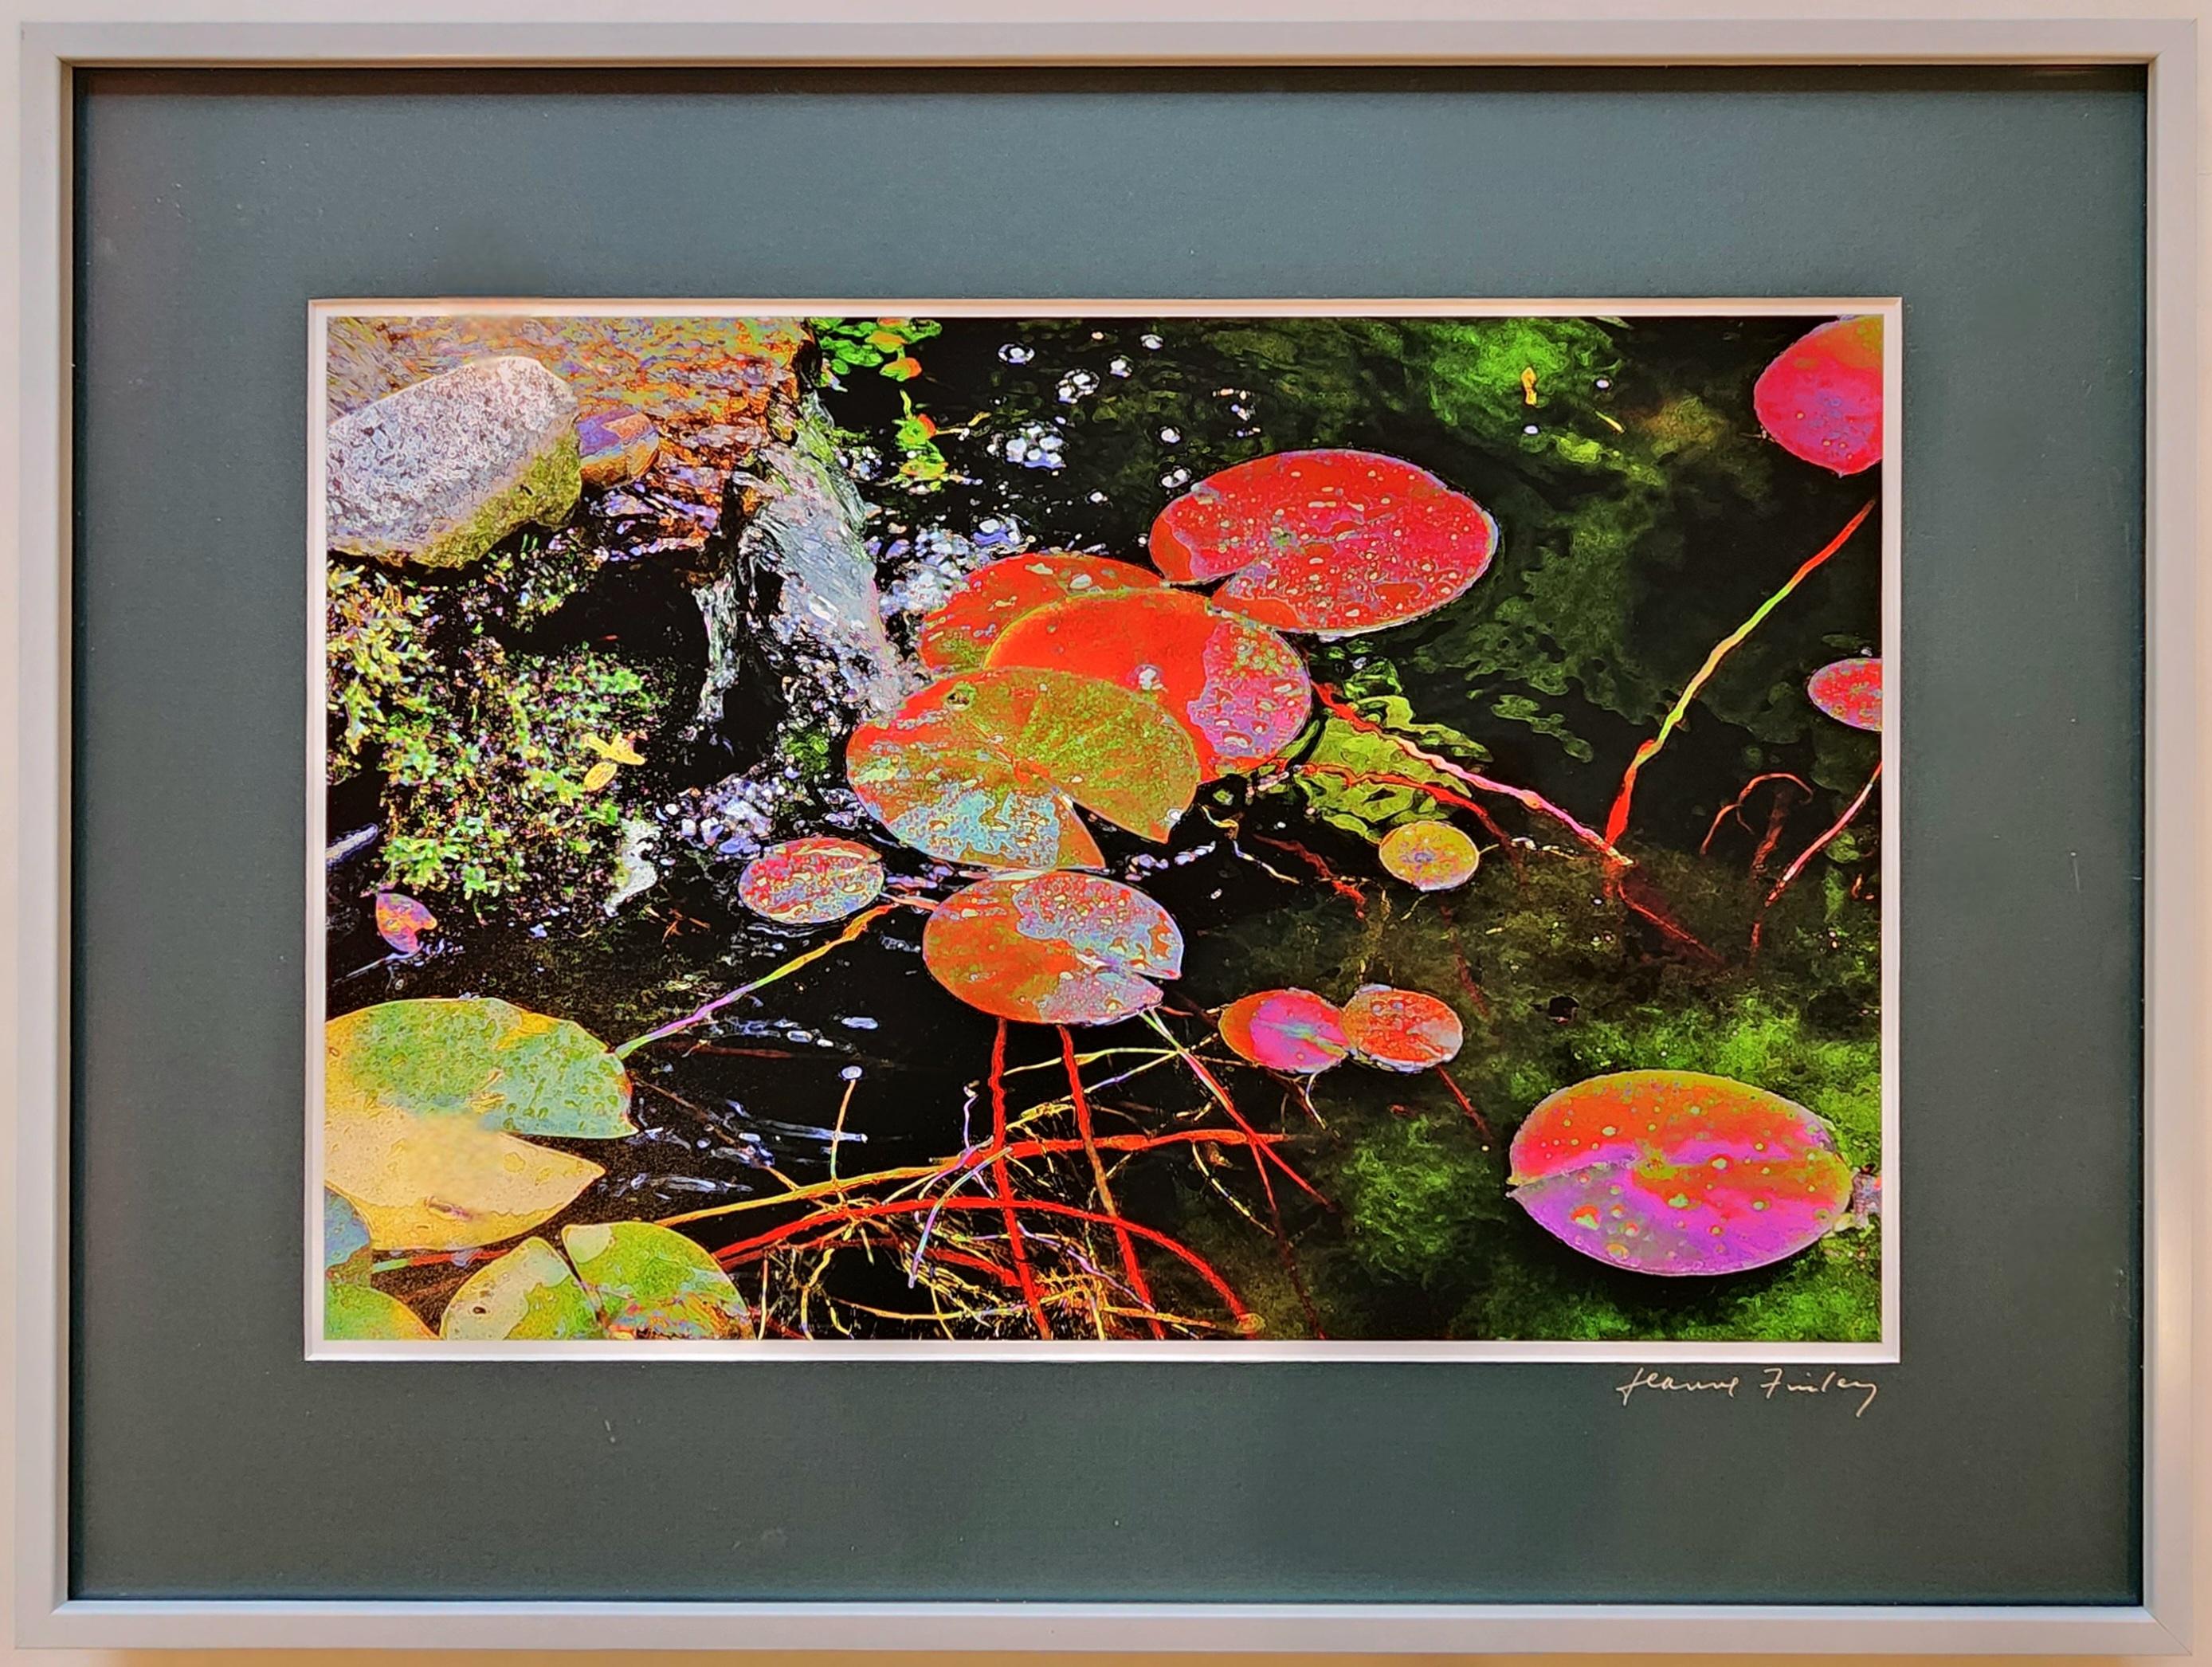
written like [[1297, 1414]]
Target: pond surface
[[1644, 517]]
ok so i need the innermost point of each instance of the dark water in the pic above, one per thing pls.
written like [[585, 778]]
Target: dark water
[[1642, 518]]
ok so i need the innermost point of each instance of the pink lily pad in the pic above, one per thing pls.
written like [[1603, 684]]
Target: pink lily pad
[[401, 921], [1335, 543], [1850, 692], [958, 636], [805, 882], [1430, 857], [1672, 1172], [1237, 688], [1286, 1030], [1059, 948], [988, 767], [1401, 1029], [1821, 397]]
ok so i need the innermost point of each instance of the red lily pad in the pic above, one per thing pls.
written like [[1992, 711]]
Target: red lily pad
[[1674, 1172], [988, 767], [401, 921], [1240, 690], [1400, 1029], [1821, 397], [958, 636], [1430, 857], [1053, 949], [805, 882], [1286, 1030], [1331, 542], [1850, 692]]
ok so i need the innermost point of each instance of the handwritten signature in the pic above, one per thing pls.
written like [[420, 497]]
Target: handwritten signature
[[1771, 1382]]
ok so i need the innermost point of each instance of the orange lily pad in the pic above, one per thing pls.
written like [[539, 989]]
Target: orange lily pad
[[1675, 1172], [1331, 542], [1821, 397], [1053, 949], [1850, 692], [1240, 690], [805, 882], [959, 634], [1400, 1029], [1430, 857], [988, 767], [1286, 1030]]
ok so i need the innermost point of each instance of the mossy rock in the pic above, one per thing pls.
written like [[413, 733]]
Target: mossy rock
[[438, 473]]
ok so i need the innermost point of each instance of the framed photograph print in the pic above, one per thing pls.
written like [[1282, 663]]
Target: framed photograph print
[[1288, 833]]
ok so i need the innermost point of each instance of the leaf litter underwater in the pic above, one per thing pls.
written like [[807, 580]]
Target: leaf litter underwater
[[865, 1154]]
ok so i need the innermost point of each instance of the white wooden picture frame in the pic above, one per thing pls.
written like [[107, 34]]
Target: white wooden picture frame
[[52, 44]]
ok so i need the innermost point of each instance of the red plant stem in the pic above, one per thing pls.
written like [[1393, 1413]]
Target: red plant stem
[[1465, 1104], [1734, 806], [1811, 851], [1330, 877], [1259, 1155], [1005, 1188], [833, 1234], [1466, 980], [1616, 821], [1081, 1101], [1142, 1143], [1619, 884], [1262, 1153], [854, 928], [731, 1254], [1528, 797], [1778, 813], [1014, 1152]]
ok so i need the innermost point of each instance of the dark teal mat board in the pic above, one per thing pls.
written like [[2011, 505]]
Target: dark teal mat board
[[2001, 1461]]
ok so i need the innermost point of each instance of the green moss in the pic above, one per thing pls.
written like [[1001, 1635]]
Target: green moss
[[1417, 1192], [1752, 1040], [542, 495], [1829, 1293], [1342, 782], [1509, 375]]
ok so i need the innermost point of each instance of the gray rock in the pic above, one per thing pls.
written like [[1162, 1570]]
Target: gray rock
[[439, 473]]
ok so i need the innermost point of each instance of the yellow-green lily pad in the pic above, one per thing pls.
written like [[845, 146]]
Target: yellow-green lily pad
[[498, 1065], [530, 1292], [650, 1281], [361, 1313]]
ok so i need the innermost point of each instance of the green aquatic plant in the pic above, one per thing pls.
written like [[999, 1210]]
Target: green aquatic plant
[[380, 673], [486, 791]]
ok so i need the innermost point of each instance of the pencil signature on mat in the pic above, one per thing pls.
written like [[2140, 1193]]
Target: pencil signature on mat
[[1770, 1383]]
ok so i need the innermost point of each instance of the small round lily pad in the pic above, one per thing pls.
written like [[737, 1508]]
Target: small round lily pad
[[1286, 1030], [1430, 857], [1401, 1029], [805, 882], [1850, 692]]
